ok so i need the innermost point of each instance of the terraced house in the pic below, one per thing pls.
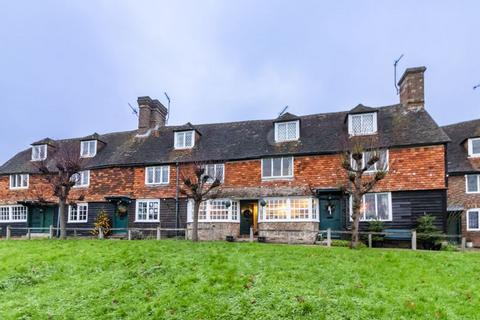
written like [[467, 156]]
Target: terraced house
[[282, 177]]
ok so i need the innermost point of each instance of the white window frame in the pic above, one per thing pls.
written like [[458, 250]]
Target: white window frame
[[215, 169], [154, 175], [313, 210], [80, 180], [375, 169], [13, 178], [10, 213], [297, 130], [177, 136], [77, 219], [87, 145], [390, 212], [478, 183], [350, 126], [470, 148], [39, 152], [271, 169], [233, 211], [148, 201], [468, 219]]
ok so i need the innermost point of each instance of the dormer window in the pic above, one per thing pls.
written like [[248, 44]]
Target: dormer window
[[88, 148], [362, 124], [184, 139], [287, 131], [474, 147], [39, 152]]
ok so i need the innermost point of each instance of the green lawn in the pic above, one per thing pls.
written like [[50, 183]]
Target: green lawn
[[88, 279]]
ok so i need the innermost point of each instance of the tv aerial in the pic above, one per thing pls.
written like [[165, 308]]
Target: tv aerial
[[395, 73]]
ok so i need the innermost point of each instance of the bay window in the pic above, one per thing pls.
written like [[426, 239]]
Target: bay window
[[289, 209], [215, 210]]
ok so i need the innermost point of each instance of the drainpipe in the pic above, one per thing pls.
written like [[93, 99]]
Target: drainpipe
[[176, 198]]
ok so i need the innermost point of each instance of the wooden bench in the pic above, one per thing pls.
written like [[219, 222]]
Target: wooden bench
[[398, 234]]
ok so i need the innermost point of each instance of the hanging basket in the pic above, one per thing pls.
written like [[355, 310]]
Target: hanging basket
[[122, 210]]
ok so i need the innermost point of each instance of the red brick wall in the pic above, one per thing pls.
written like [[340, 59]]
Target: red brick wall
[[457, 195]]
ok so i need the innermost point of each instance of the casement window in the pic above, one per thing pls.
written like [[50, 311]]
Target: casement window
[[78, 213], [39, 152], [289, 209], [375, 206], [474, 147], [13, 213], [473, 220], [184, 139], [381, 164], [362, 124], [217, 210], [147, 210], [287, 131], [88, 148], [157, 175], [19, 181], [81, 179], [472, 183], [215, 171], [277, 168]]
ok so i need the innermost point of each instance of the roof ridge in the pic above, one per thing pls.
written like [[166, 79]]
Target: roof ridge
[[458, 123]]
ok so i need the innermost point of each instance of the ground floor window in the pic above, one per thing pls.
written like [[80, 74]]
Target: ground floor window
[[375, 206], [13, 213], [289, 209], [78, 213], [473, 220], [147, 210], [220, 210]]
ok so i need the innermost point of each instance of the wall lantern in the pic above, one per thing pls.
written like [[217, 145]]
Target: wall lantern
[[228, 204], [263, 203]]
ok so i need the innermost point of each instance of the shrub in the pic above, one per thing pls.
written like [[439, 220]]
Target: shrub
[[429, 235], [340, 243], [376, 226], [447, 246], [102, 221], [137, 235]]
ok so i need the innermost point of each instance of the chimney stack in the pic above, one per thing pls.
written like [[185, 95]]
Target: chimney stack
[[152, 113], [412, 93]]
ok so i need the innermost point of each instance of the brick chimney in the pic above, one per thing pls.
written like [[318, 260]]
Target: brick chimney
[[412, 88], [152, 113]]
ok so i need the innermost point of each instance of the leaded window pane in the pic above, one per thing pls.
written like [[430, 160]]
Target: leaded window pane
[[473, 222], [300, 208], [277, 167], [291, 130], [267, 167], [367, 123], [287, 166], [476, 146], [370, 208], [281, 132], [382, 206], [188, 139], [356, 124], [276, 209], [472, 183]]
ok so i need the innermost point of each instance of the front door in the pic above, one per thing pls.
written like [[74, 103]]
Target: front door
[[248, 216], [120, 221], [40, 219], [330, 214]]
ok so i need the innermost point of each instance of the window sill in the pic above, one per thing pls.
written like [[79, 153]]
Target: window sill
[[146, 221], [153, 185], [216, 221], [185, 148], [475, 155], [19, 188], [472, 192], [363, 134], [13, 221], [86, 221], [288, 220], [80, 187], [264, 179]]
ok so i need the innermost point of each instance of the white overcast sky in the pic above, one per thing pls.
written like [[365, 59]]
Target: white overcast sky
[[70, 68]]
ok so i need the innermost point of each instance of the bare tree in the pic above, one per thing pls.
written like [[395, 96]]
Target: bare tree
[[356, 163], [62, 172], [198, 185]]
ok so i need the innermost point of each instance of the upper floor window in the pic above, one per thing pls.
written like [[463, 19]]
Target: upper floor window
[[14, 213], [473, 183], [376, 206], [473, 220], [215, 171], [19, 181], [474, 147], [88, 148], [39, 152], [157, 175], [147, 211], [277, 168], [362, 124], [287, 131], [184, 139], [380, 165], [78, 213], [81, 179]]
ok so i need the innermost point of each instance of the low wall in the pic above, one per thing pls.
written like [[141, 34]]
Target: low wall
[[288, 232], [209, 231]]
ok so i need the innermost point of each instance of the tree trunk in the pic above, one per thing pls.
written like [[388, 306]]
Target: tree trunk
[[61, 218], [356, 214], [196, 209]]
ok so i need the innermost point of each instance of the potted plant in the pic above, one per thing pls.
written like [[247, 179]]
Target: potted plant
[[428, 233], [377, 226]]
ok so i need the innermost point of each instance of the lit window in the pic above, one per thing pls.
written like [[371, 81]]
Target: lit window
[[14, 213], [277, 168], [375, 206], [88, 149], [287, 131], [362, 124], [219, 210], [157, 175], [147, 211], [19, 181], [473, 223], [184, 139], [39, 152], [81, 179], [474, 147], [289, 209], [381, 164], [215, 171], [78, 213], [473, 183]]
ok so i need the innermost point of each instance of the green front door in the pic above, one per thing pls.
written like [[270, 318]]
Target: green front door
[[41, 218], [120, 221], [330, 214]]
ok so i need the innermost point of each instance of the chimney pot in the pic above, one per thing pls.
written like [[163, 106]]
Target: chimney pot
[[412, 88]]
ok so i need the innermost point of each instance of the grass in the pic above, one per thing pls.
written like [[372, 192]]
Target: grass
[[92, 279]]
